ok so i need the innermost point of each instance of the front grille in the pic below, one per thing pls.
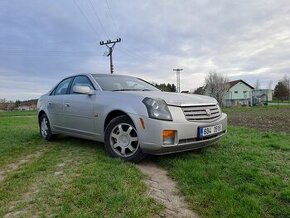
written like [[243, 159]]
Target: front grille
[[201, 112]]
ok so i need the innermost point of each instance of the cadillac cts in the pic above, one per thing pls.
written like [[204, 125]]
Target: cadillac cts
[[129, 115]]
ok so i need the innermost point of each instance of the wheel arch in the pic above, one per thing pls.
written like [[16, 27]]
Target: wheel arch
[[40, 113], [116, 113]]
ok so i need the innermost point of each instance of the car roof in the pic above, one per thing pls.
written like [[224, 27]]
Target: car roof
[[109, 75]]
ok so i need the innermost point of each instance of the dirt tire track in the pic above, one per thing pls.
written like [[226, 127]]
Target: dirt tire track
[[16, 165], [36, 187], [164, 190]]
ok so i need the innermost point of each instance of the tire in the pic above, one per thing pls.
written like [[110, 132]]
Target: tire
[[121, 140], [44, 128]]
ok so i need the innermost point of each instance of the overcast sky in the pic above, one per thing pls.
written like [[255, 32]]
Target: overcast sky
[[42, 41]]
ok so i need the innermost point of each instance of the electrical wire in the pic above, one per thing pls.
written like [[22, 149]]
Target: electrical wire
[[86, 18], [98, 18], [23, 52], [110, 15]]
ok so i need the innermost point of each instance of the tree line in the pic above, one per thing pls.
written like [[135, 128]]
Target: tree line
[[282, 89], [165, 87], [8, 105]]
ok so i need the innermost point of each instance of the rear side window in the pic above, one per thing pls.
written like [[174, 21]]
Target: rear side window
[[81, 81], [62, 88]]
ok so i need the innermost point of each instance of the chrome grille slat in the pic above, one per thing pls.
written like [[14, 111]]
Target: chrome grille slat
[[198, 113], [201, 108]]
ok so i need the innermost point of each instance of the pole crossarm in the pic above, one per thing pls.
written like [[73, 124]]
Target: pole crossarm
[[110, 42]]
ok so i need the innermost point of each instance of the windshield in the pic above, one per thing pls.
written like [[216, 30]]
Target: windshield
[[123, 83]]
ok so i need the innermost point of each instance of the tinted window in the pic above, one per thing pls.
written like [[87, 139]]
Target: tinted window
[[81, 81], [62, 88]]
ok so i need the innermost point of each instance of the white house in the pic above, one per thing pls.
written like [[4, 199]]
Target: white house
[[239, 93], [24, 108]]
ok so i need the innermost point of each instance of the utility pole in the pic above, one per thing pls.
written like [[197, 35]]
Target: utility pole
[[110, 51], [178, 78]]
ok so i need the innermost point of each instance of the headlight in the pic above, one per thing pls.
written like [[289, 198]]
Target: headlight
[[157, 109]]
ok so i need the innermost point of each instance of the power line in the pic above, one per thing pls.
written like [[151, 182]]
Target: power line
[[122, 48], [21, 52], [99, 20], [110, 14], [86, 18]]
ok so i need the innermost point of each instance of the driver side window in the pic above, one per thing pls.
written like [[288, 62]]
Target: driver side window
[[62, 88]]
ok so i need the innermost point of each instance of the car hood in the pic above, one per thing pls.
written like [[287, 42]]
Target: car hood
[[176, 99]]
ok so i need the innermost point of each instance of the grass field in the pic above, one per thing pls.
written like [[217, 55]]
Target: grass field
[[68, 177], [271, 118], [244, 175], [247, 174]]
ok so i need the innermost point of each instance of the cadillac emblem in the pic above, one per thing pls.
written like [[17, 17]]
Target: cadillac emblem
[[208, 112]]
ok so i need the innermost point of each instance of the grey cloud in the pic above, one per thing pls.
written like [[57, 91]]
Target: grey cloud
[[43, 41]]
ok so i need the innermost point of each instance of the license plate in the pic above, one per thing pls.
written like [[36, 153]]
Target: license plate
[[210, 130]]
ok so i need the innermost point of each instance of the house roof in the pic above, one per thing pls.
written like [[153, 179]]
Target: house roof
[[234, 82]]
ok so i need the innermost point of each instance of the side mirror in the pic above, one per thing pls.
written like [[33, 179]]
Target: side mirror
[[83, 90]]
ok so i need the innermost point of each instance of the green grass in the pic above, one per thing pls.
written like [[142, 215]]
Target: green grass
[[280, 101], [19, 136], [17, 113], [245, 175], [71, 178]]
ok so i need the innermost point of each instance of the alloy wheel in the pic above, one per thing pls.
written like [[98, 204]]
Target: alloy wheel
[[124, 140]]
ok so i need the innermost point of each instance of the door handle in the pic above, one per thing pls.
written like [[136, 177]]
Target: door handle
[[67, 104]]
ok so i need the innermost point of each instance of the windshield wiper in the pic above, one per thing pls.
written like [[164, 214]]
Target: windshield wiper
[[131, 90], [125, 90]]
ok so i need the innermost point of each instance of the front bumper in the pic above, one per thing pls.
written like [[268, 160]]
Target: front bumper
[[187, 137]]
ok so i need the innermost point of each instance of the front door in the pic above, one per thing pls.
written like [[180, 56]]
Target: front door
[[55, 103], [79, 110]]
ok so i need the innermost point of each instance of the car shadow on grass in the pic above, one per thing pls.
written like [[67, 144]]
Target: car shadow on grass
[[72, 142]]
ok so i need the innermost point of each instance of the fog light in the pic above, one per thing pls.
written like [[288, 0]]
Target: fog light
[[169, 137]]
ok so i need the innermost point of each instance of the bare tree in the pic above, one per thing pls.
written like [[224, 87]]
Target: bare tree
[[216, 86], [257, 84], [270, 84]]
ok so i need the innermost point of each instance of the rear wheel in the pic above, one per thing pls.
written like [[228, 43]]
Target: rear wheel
[[44, 128], [121, 140]]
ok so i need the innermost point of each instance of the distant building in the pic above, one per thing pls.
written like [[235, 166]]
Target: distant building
[[239, 93], [24, 108], [262, 95]]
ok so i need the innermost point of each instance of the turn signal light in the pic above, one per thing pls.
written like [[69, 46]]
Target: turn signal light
[[142, 123], [169, 137]]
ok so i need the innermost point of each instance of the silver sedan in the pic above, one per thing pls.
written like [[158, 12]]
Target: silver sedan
[[129, 115]]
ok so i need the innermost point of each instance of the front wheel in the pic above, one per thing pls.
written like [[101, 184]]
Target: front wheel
[[121, 140], [44, 128]]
